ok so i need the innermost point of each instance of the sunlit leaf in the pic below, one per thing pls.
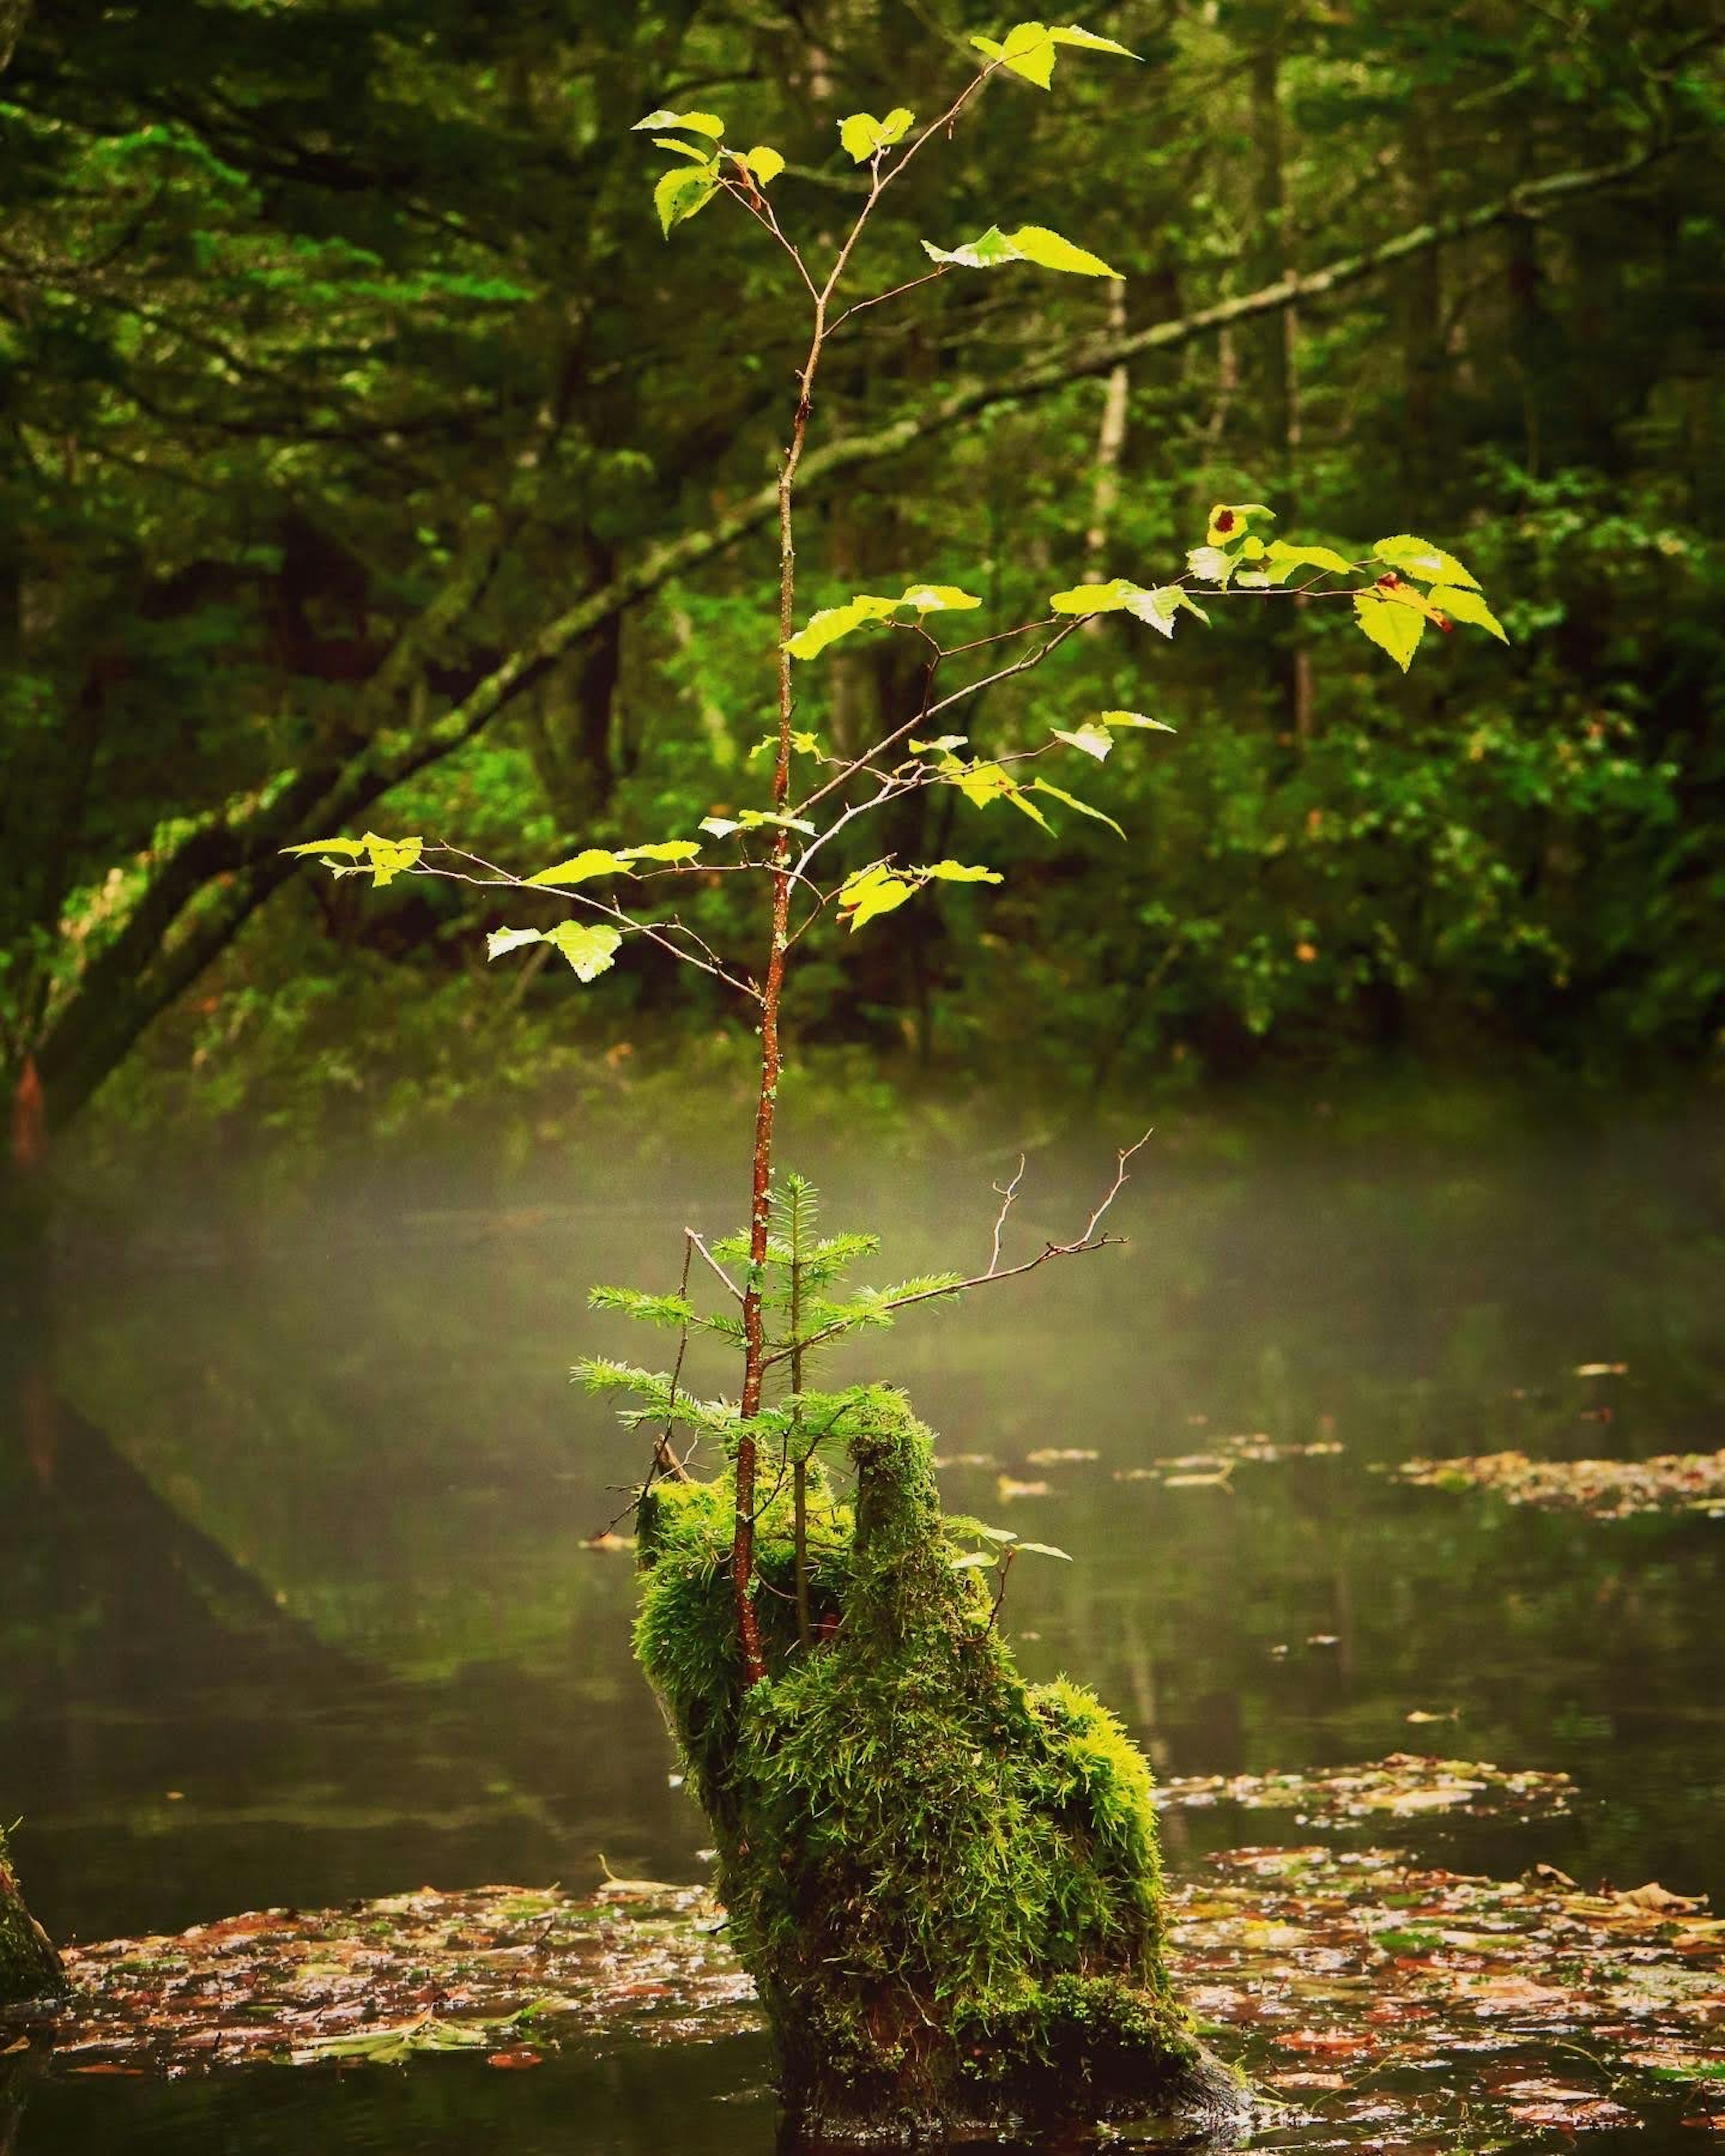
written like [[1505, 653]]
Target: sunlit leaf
[[873, 891], [1093, 739], [1210, 564], [1161, 607], [696, 123], [1395, 629], [765, 165], [351, 847], [1045, 1549], [680, 192], [826, 626], [661, 850], [1135, 719], [1281, 560], [1028, 49], [864, 136], [1419, 558], [804, 744], [1089, 42], [590, 950], [701, 157], [595, 860], [1229, 519], [388, 857], [928, 598], [1036, 244], [1097, 599], [720, 827], [749, 818], [1468, 606], [959, 872], [1399, 592], [973, 1561], [940, 746], [499, 940], [988, 251], [1072, 801]]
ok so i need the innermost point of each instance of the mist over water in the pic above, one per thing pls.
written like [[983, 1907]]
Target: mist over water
[[295, 1604]]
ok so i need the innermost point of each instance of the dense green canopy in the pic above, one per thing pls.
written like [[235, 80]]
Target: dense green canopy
[[367, 457]]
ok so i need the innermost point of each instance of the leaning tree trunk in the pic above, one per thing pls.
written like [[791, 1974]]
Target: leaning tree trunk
[[944, 1882], [29, 1967]]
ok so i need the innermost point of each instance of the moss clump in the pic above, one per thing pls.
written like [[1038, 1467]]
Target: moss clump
[[944, 1881], [29, 1967]]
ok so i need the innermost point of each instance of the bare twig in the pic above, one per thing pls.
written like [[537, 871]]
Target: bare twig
[[696, 1243], [1006, 1193]]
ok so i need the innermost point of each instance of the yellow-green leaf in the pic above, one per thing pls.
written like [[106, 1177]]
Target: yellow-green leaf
[[1419, 558], [1035, 243], [1469, 607], [980, 784], [594, 860], [1281, 560], [1096, 599], [959, 872], [1028, 49], [680, 192], [388, 857], [1045, 1549], [751, 818], [1229, 519], [804, 744], [1094, 740], [501, 940], [864, 136], [765, 165], [1210, 563], [932, 598], [701, 157], [939, 745], [721, 827], [1088, 41], [661, 850], [1399, 593], [831, 623], [986, 251], [1160, 607], [1135, 719], [1072, 801], [696, 123], [873, 891], [590, 950], [353, 848], [1395, 629]]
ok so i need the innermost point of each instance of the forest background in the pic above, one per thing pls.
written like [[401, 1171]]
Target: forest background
[[366, 457]]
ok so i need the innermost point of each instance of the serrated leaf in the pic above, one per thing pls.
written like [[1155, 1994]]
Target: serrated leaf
[[940, 746], [1093, 739], [1036, 244], [973, 1561], [864, 136], [765, 165], [873, 891], [933, 598], [1229, 519], [1089, 42], [661, 850], [1072, 801], [830, 624], [1399, 593], [1281, 560], [1210, 564], [1045, 1549], [594, 860], [980, 784], [721, 827], [1394, 628], [590, 950], [1028, 49], [351, 847], [959, 872], [1135, 719], [499, 940], [751, 818], [1419, 558], [701, 157], [1161, 607], [804, 744], [1097, 599], [680, 192], [988, 251], [388, 857], [1469, 607], [992, 1534], [697, 123]]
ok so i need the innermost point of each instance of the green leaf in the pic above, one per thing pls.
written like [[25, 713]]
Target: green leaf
[[661, 850], [1028, 49], [590, 950], [1135, 719], [959, 872], [1161, 607], [1228, 520], [701, 157], [1097, 599], [765, 165], [804, 744], [864, 136], [695, 123], [680, 192], [1419, 558], [351, 847], [1035, 243], [980, 784], [1469, 607], [1281, 560], [1030, 242], [973, 1561], [933, 598], [1094, 740], [1089, 42], [1044, 1549], [992, 1534], [1210, 563], [831, 623], [388, 857], [501, 940], [1072, 801], [939, 745], [750, 818], [1396, 630], [596, 861], [1399, 592], [872, 892]]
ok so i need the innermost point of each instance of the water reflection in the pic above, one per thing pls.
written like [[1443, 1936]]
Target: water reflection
[[295, 1606]]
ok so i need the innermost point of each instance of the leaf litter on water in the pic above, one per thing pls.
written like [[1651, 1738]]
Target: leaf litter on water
[[1602, 1489]]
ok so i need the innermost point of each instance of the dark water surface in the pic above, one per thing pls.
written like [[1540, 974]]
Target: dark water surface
[[295, 1607]]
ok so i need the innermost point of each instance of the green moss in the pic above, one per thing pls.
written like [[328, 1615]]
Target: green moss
[[29, 1967], [945, 1882]]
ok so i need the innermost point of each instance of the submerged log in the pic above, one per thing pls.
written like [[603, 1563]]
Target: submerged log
[[29, 1967], [944, 1882]]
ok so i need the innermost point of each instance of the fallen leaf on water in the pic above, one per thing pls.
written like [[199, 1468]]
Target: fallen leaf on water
[[608, 1540], [1057, 1455], [1656, 1898], [517, 2058], [1603, 1489], [1007, 1488]]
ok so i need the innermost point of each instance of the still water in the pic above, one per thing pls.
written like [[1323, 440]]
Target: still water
[[295, 1606]]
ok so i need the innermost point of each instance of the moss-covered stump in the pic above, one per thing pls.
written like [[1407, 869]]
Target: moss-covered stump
[[944, 1882], [29, 1967]]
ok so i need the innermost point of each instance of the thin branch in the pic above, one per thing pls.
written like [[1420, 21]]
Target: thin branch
[[696, 1244], [1006, 1193]]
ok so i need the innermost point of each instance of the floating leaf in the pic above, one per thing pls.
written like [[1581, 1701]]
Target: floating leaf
[[499, 940], [680, 192], [1419, 558], [1135, 719], [864, 136], [1468, 606], [696, 123], [1093, 739], [590, 950], [1395, 629], [764, 165], [1072, 801], [595, 860], [1229, 519]]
